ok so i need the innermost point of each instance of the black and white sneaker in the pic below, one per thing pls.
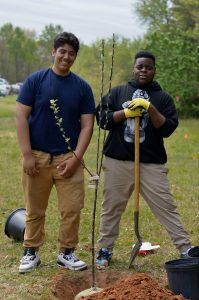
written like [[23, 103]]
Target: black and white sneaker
[[70, 261], [103, 258], [29, 261]]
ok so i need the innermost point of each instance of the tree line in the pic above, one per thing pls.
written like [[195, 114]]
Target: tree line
[[172, 35]]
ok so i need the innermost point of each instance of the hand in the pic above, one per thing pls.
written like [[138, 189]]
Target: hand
[[133, 113], [29, 165], [139, 102], [68, 167]]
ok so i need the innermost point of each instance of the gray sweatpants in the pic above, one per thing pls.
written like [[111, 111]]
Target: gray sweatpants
[[154, 188]]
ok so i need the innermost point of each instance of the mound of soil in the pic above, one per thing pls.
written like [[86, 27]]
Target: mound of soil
[[116, 286], [136, 286]]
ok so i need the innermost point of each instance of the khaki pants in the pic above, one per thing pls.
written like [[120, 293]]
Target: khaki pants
[[154, 188], [70, 193]]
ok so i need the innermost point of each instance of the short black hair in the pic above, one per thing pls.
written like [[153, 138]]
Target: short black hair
[[66, 38], [146, 54]]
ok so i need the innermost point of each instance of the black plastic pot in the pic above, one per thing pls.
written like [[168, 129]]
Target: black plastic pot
[[15, 225], [183, 277]]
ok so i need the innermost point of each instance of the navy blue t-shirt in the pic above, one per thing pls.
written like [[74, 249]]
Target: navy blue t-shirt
[[75, 98]]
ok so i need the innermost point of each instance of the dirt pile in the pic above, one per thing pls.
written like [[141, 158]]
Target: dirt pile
[[136, 286], [116, 286]]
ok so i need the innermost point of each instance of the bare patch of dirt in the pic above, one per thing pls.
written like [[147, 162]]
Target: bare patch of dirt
[[116, 286]]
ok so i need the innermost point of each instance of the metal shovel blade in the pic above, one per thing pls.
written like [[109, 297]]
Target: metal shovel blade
[[138, 244], [134, 252]]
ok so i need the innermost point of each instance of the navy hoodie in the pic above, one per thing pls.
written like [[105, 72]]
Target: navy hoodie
[[152, 149]]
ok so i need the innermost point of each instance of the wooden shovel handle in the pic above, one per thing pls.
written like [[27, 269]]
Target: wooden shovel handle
[[136, 165]]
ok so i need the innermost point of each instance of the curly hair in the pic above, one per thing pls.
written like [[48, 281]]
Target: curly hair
[[146, 54]]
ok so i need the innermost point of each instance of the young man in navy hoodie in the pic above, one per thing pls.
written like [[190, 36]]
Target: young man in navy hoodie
[[141, 97]]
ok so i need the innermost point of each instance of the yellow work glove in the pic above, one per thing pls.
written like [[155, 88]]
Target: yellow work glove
[[133, 113], [139, 102]]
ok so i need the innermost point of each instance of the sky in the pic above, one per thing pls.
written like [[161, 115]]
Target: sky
[[87, 19]]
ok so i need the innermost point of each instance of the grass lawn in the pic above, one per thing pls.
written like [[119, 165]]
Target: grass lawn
[[183, 165]]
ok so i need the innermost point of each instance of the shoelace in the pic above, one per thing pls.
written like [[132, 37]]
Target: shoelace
[[26, 258], [104, 254], [72, 257]]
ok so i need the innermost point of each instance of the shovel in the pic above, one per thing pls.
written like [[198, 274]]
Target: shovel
[[138, 244]]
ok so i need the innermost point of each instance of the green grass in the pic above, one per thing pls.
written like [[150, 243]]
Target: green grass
[[183, 164]]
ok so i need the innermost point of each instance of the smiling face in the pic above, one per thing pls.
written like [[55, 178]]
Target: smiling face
[[64, 57], [144, 70]]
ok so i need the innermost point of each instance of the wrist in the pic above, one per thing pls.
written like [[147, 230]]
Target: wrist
[[77, 156], [27, 154]]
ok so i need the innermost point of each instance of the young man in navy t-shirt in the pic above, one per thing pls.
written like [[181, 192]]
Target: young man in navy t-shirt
[[47, 159]]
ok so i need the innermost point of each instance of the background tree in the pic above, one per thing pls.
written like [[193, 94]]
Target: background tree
[[23, 53], [155, 13], [173, 37], [177, 68], [17, 53], [6, 35], [186, 16]]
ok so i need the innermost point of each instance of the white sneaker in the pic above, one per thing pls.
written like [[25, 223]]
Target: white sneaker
[[70, 261], [29, 261]]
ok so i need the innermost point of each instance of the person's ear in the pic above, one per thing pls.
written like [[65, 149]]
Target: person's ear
[[133, 70], [53, 52]]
